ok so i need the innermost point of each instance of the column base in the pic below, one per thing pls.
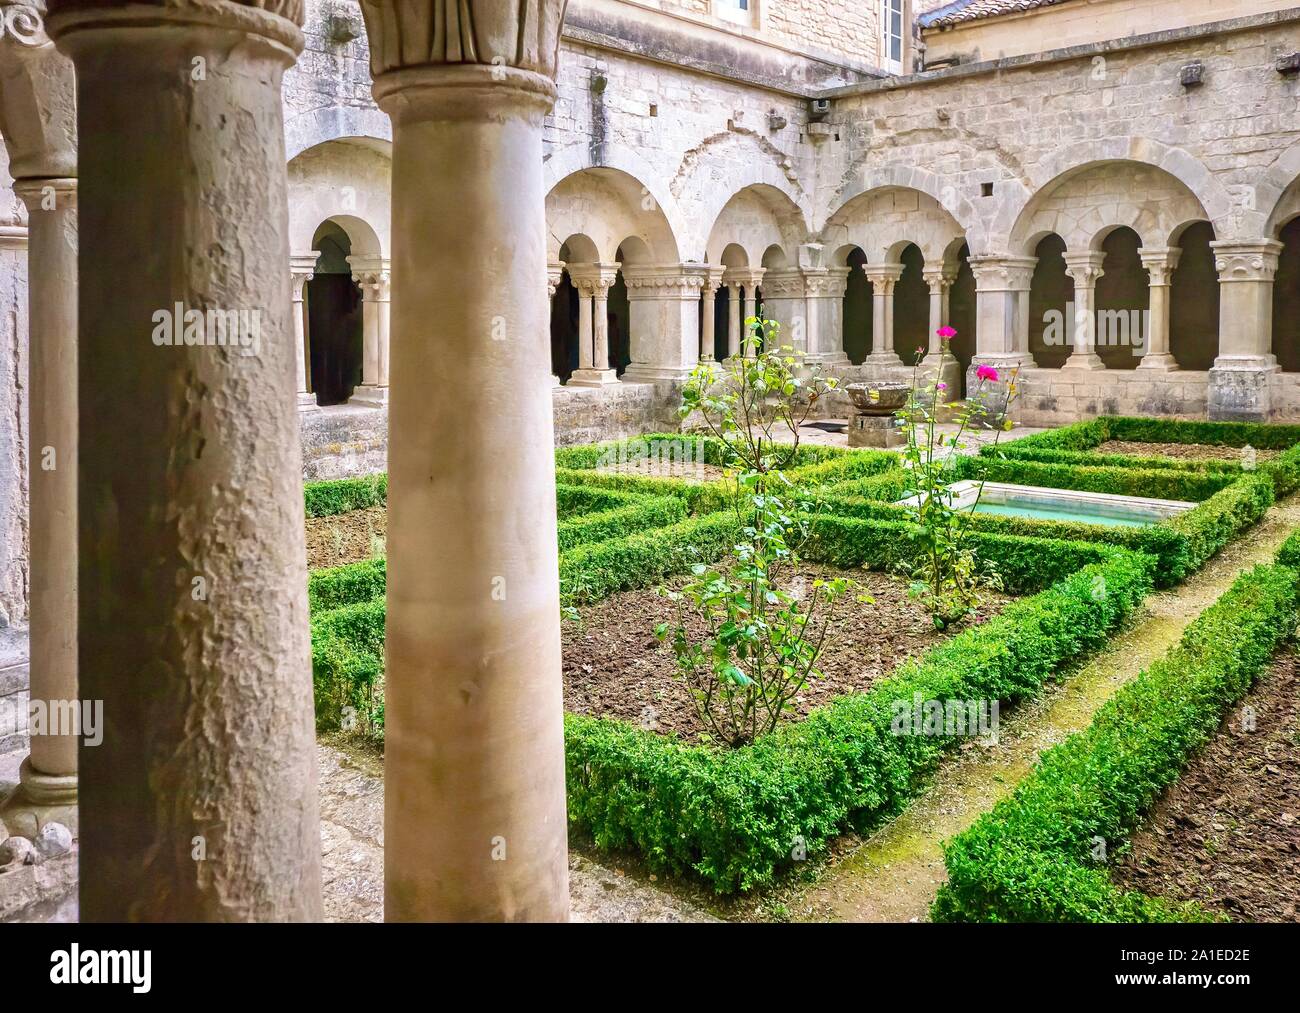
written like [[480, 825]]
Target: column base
[[883, 358], [39, 799], [555, 381], [1240, 388], [636, 373], [306, 400], [369, 396], [593, 378], [1084, 360], [1162, 362]]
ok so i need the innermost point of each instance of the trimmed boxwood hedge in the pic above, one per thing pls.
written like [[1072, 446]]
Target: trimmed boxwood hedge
[[338, 496], [1210, 525], [734, 817], [1030, 858], [1160, 483], [645, 512]]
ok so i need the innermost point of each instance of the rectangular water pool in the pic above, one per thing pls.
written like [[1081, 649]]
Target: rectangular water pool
[[1062, 504]]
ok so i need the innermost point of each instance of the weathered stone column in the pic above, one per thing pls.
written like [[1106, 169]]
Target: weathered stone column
[[751, 279], [735, 314], [712, 278], [1160, 263], [38, 119], [371, 273], [940, 280], [663, 321], [1242, 375], [593, 281], [475, 822], [824, 289], [302, 267], [554, 275], [1001, 322], [784, 302], [1084, 267], [200, 803], [883, 278]]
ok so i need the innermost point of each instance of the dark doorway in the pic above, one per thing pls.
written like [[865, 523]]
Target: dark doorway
[[1286, 300], [1051, 295], [564, 329], [1123, 297], [911, 307], [857, 321], [961, 314], [334, 319]]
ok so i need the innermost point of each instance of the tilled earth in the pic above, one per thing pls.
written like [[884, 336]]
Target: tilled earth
[[1227, 833], [1184, 451], [346, 538], [615, 667]]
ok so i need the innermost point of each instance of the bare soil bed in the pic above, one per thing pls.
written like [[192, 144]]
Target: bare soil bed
[[1183, 451], [346, 538], [615, 667], [686, 471], [1227, 833]]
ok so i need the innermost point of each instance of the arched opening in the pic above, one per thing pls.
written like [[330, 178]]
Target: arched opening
[[1123, 298], [1051, 295], [857, 319], [1194, 300], [564, 328], [911, 306], [961, 313], [334, 318], [1286, 299]]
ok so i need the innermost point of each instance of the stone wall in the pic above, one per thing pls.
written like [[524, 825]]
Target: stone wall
[[13, 404]]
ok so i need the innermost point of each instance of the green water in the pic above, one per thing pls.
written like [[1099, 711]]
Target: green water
[[1049, 514]]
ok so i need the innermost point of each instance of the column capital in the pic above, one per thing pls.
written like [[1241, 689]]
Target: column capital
[[1160, 262], [712, 276], [594, 278], [276, 21], [1084, 266], [554, 275], [784, 283], [663, 281], [1001, 273], [884, 273], [45, 194], [1246, 260], [457, 56], [39, 117], [369, 268], [303, 263], [743, 277], [940, 278], [825, 282]]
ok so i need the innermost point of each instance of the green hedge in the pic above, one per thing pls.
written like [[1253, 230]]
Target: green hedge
[[1289, 553], [700, 497], [1030, 858], [733, 817], [1159, 483], [1025, 565], [347, 661], [1171, 548], [575, 500], [338, 496], [886, 487], [649, 512], [335, 586], [1134, 429], [1210, 525]]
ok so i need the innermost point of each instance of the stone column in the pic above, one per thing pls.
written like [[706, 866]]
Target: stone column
[[712, 278], [1001, 322], [38, 120], [302, 268], [940, 280], [371, 273], [475, 821], [735, 314], [663, 321], [1160, 263], [784, 303], [554, 275], [883, 278], [824, 289], [593, 282], [1242, 375], [751, 279], [1084, 267], [200, 802]]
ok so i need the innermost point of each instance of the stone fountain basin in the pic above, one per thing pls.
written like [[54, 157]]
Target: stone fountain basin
[[890, 397]]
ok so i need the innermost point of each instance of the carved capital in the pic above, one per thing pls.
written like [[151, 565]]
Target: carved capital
[[370, 272], [1160, 262], [672, 281], [458, 43], [1254, 260], [787, 283], [940, 278], [1002, 274], [593, 279], [883, 277], [1084, 266], [554, 275]]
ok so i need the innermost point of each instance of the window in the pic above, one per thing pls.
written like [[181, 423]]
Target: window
[[740, 11], [892, 31]]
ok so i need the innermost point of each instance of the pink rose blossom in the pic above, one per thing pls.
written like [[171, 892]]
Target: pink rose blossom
[[946, 332], [941, 385], [987, 373]]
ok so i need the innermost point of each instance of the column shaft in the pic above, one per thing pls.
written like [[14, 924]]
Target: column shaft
[[475, 821], [200, 802]]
